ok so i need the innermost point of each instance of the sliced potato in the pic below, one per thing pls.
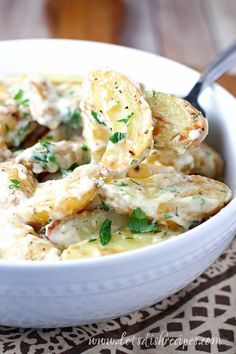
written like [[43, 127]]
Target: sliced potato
[[96, 137], [17, 183], [207, 162], [57, 199], [45, 104], [83, 226], [112, 100], [149, 167], [121, 241], [5, 153], [168, 198], [177, 123], [203, 161], [47, 156], [20, 242], [15, 125]]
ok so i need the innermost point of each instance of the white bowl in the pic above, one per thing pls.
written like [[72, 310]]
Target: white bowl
[[40, 294]]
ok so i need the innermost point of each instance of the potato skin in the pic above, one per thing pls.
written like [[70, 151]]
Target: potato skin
[[57, 199], [178, 125], [113, 101], [203, 161], [168, 198]]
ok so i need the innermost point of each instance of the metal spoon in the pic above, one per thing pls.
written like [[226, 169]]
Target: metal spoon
[[221, 65]]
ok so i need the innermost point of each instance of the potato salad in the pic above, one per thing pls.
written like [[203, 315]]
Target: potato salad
[[97, 165]]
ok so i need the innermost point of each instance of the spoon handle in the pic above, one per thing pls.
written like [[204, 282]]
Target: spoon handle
[[218, 67]]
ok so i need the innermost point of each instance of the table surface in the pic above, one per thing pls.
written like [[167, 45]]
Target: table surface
[[189, 31]]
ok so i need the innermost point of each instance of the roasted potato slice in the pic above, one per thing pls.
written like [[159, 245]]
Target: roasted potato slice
[[47, 156], [15, 123], [121, 241], [178, 124], [46, 104], [82, 226], [57, 199], [96, 137], [5, 153], [203, 161], [17, 183], [168, 198], [112, 100], [20, 242], [150, 166], [207, 162]]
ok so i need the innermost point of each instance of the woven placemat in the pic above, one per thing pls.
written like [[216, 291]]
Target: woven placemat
[[201, 318]]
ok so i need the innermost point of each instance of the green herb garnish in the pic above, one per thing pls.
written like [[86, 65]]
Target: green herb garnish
[[121, 184], [49, 156], [167, 216], [200, 199], [193, 224], [92, 240], [24, 102], [105, 205], [84, 147], [154, 94], [66, 171], [135, 182], [96, 116], [134, 161], [75, 118], [105, 232], [14, 184], [126, 120], [19, 95], [116, 137], [138, 222], [196, 115]]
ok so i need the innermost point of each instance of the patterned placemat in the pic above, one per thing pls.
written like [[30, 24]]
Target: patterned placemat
[[201, 318]]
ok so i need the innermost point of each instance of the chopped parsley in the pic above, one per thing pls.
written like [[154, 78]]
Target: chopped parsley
[[14, 184], [168, 216], [105, 232], [138, 222], [134, 161], [19, 95], [200, 199], [66, 171], [126, 120], [105, 205], [154, 94], [116, 137], [135, 182], [92, 240], [97, 117], [196, 115], [24, 102], [75, 118], [84, 147], [42, 157], [193, 224], [121, 184]]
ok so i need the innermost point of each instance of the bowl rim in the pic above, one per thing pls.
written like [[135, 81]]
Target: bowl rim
[[119, 258]]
